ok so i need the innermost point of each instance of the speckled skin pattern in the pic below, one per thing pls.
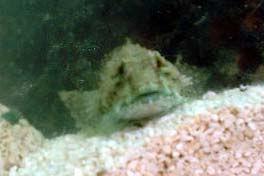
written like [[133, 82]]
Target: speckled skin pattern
[[138, 83], [135, 84]]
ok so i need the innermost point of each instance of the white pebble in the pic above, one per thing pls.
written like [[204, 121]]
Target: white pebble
[[252, 126], [210, 170], [78, 172]]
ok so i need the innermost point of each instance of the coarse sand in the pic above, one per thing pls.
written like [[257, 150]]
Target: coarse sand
[[220, 134], [227, 142]]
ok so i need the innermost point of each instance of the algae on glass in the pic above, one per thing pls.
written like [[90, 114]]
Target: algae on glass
[[48, 46]]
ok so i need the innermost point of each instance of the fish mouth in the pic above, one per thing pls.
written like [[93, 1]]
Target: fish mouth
[[146, 105], [147, 97]]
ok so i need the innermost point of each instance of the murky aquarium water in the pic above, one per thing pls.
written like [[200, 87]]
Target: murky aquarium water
[[129, 88]]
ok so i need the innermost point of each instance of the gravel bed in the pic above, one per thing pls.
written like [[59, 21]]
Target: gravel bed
[[75, 155]]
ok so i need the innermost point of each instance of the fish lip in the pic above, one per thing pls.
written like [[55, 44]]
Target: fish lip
[[147, 97], [143, 107]]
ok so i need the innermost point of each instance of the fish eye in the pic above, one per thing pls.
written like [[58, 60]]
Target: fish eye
[[159, 63], [121, 69]]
